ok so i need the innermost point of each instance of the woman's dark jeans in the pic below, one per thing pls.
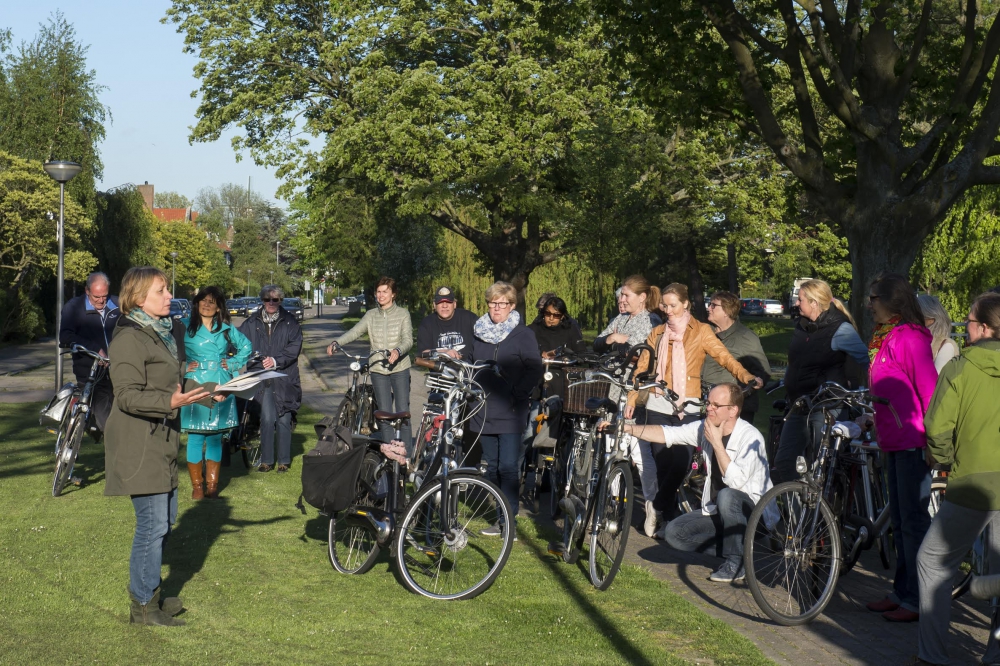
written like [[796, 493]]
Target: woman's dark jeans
[[909, 493], [800, 436], [672, 462], [392, 394], [502, 454], [154, 516]]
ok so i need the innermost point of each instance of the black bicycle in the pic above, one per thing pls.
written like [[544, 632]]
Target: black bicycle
[[76, 419], [357, 409]]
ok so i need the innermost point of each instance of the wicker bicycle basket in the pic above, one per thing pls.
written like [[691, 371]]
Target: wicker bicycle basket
[[577, 396]]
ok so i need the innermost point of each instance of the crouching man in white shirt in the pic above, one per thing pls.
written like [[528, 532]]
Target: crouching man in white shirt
[[736, 477]]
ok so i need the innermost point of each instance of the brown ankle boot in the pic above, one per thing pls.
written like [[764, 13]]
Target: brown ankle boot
[[212, 479], [194, 469]]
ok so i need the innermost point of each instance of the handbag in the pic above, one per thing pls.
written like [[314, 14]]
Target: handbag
[[231, 349], [330, 471]]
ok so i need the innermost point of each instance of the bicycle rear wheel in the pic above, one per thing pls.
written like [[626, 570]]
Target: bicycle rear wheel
[[66, 459], [250, 448], [612, 525], [455, 560], [792, 566], [351, 540]]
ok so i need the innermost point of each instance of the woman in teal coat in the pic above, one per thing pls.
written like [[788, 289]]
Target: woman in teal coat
[[209, 341]]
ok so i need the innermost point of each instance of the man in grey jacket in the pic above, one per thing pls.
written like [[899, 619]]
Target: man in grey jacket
[[742, 343]]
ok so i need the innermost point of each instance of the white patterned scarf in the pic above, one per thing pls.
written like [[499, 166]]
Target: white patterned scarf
[[492, 333]]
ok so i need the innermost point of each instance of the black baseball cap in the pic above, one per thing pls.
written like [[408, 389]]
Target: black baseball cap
[[444, 294]]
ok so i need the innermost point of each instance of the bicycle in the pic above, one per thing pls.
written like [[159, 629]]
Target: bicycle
[[437, 534], [357, 409], [245, 438], [806, 533], [75, 421], [597, 497]]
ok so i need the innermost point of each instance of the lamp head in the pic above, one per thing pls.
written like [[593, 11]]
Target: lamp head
[[62, 171]]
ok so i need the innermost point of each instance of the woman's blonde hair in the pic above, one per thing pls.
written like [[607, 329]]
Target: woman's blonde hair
[[640, 285], [501, 289], [819, 292], [680, 291], [135, 286], [940, 330]]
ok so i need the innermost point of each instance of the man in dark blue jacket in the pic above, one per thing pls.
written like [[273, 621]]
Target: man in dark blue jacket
[[89, 321]]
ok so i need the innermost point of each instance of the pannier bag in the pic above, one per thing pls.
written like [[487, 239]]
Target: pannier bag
[[330, 471], [56, 409], [547, 423]]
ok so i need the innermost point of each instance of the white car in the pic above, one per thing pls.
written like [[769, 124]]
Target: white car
[[773, 308]]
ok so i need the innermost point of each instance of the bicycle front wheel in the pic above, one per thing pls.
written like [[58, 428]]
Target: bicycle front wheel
[[792, 553], [351, 540], [66, 458], [612, 524], [442, 552]]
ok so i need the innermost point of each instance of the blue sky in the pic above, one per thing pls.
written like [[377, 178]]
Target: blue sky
[[149, 82]]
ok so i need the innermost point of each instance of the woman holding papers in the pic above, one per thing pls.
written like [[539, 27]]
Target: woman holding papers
[[215, 352]]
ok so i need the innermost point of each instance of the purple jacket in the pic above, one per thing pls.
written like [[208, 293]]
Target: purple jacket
[[903, 372]]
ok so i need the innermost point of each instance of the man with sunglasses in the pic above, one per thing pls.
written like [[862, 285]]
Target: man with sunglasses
[[737, 476], [448, 329], [89, 320]]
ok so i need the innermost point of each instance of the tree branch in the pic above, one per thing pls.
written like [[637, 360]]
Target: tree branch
[[903, 81]]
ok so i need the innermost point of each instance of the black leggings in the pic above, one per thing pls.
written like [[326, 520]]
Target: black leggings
[[672, 462]]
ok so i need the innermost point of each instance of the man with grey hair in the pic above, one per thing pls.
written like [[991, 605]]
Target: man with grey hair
[[276, 335], [88, 320]]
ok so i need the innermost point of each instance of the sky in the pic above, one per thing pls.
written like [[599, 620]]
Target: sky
[[148, 81]]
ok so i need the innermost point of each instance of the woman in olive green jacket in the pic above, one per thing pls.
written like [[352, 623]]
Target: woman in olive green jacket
[[141, 438], [962, 425]]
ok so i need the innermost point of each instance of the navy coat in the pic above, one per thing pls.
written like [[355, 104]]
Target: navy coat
[[283, 343], [508, 397]]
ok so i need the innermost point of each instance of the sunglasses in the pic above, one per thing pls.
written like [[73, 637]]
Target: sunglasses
[[552, 315], [270, 300]]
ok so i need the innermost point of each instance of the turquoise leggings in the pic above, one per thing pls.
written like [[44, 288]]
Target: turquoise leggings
[[211, 443]]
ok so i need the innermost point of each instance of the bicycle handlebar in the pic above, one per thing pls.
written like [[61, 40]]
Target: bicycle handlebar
[[80, 349]]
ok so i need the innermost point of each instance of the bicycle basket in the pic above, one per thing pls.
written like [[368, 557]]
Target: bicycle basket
[[330, 471], [577, 396], [56, 409]]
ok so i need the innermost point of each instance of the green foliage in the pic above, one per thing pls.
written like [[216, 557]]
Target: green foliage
[[170, 199], [50, 106], [124, 232], [29, 213], [961, 259]]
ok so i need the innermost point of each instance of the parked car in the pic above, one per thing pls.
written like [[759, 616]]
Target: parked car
[[773, 308], [294, 307], [237, 306], [752, 307], [180, 308], [252, 305]]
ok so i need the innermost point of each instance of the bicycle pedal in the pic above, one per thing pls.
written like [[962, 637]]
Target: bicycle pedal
[[556, 549], [76, 481]]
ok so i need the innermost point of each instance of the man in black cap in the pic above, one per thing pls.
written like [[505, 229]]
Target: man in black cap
[[449, 329]]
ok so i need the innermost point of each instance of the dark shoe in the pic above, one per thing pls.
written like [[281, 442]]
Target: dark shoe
[[150, 614], [882, 606], [281, 468], [901, 615], [212, 479], [264, 468], [169, 605], [194, 470], [730, 572]]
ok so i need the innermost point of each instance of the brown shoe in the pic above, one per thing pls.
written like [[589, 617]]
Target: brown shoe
[[194, 469], [882, 606], [901, 615], [212, 478]]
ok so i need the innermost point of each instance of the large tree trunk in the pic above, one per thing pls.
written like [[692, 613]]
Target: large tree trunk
[[697, 284], [734, 279]]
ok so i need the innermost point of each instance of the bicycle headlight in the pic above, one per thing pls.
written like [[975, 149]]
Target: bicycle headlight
[[355, 366], [800, 465], [548, 376]]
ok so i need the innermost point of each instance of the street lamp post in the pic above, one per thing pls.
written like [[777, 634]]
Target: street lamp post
[[277, 256], [62, 172], [248, 282], [173, 275]]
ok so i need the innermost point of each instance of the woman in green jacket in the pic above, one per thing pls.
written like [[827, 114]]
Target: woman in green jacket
[[208, 344], [962, 427], [388, 327], [141, 439]]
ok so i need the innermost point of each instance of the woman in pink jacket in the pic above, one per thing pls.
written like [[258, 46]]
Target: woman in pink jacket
[[902, 371]]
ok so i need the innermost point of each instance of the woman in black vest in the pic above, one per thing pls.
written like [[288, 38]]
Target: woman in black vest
[[824, 340]]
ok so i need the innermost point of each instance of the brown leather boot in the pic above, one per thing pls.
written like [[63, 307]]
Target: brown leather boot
[[212, 478], [194, 469]]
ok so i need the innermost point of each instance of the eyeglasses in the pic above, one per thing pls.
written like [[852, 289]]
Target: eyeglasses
[[873, 297], [270, 300], [712, 306], [499, 305], [713, 405], [970, 320], [552, 315]]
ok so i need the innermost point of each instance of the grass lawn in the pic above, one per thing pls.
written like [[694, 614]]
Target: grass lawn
[[254, 575], [775, 336]]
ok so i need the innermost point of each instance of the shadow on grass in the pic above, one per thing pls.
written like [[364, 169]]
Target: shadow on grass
[[195, 533]]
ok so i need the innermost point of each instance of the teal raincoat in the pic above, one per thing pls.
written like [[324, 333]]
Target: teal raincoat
[[209, 349]]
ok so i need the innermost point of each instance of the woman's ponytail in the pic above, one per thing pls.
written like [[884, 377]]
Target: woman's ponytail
[[653, 299]]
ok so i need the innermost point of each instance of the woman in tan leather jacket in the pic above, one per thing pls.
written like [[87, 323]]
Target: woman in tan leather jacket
[[679, 365]]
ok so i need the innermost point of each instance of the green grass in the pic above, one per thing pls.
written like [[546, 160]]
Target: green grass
[[258, 587], [775, 336]]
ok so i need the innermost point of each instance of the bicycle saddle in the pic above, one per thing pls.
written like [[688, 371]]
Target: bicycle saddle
[[391, 416], [595, 403], [435, 398]]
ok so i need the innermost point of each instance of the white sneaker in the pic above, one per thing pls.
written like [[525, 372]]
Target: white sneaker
[[652, 519]]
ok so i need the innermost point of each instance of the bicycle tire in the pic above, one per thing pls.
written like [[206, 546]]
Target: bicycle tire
[[366, 413], [767, 553], [346, 413], [351, 542], [612, 525], [557, 479], [67, 457], [437, 565]]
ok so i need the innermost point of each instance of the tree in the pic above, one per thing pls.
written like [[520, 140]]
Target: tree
[[170, 200], [50, 104], [29, 205], [460, 111], [886, 112], [195, 252], [124, 233]]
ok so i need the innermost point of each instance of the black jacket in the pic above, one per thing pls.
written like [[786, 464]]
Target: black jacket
[[282, 341], [456, 333], [812, 359], [83, 325], [566, 334], [507, 396]]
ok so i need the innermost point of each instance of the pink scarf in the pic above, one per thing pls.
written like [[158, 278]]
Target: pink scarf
[[674, 332]]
